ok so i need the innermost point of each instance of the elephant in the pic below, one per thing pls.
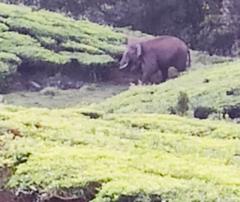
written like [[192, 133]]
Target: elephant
[[159, 53]]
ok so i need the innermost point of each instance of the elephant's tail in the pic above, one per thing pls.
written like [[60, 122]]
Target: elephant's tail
[[189, 58]]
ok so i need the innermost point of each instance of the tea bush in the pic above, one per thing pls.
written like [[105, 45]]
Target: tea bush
[[29, 35], [140, 155]]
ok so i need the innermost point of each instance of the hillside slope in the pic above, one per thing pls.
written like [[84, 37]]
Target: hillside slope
[[38, 38], [216, 87], [118, 157]]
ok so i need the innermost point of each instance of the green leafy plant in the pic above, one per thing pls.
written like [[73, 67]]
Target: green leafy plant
[[130, 156], [28, 35], [182, 104]]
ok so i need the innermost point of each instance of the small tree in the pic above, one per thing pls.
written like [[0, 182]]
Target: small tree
[[182, 104]]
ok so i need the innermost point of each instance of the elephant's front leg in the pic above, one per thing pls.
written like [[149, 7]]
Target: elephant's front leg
[[149, 67], [146, 78]]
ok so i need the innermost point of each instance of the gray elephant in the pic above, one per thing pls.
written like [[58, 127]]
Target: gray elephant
[[160, 53]]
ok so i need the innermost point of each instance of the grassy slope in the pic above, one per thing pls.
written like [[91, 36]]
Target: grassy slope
[[158, 99], [127, 154], [44, 36]]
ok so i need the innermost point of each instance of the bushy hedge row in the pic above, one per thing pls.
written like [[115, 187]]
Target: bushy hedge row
[[127, 156], [42, 36]]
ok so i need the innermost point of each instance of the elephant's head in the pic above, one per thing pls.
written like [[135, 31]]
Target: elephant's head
[[131, 57]]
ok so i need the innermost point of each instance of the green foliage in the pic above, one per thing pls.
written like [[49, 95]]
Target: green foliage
[[9, 63], [182, 104], [199, 59], [26, 47], [88, 59], [3, 27], [206, 87], [140, 155], [38, 36], [47, 41], [81, 47]]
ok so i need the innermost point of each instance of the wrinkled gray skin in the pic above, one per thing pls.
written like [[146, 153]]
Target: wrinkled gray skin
[[156, 54]]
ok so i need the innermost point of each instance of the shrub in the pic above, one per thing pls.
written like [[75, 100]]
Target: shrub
[[182, 104]]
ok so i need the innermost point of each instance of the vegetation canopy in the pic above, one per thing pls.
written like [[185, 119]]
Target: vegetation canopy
[[32, 36], [126, 155]]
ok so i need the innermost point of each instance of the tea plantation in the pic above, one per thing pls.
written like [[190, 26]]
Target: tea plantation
[[139, 155], [31, 36], [126, 148]]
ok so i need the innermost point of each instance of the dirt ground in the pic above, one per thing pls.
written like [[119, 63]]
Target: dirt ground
[[52, 97], [61, 90]]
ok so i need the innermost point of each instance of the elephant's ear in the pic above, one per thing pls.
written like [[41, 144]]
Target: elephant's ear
[[139, 50]]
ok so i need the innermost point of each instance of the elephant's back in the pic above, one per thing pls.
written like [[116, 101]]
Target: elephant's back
[[165, 42]]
